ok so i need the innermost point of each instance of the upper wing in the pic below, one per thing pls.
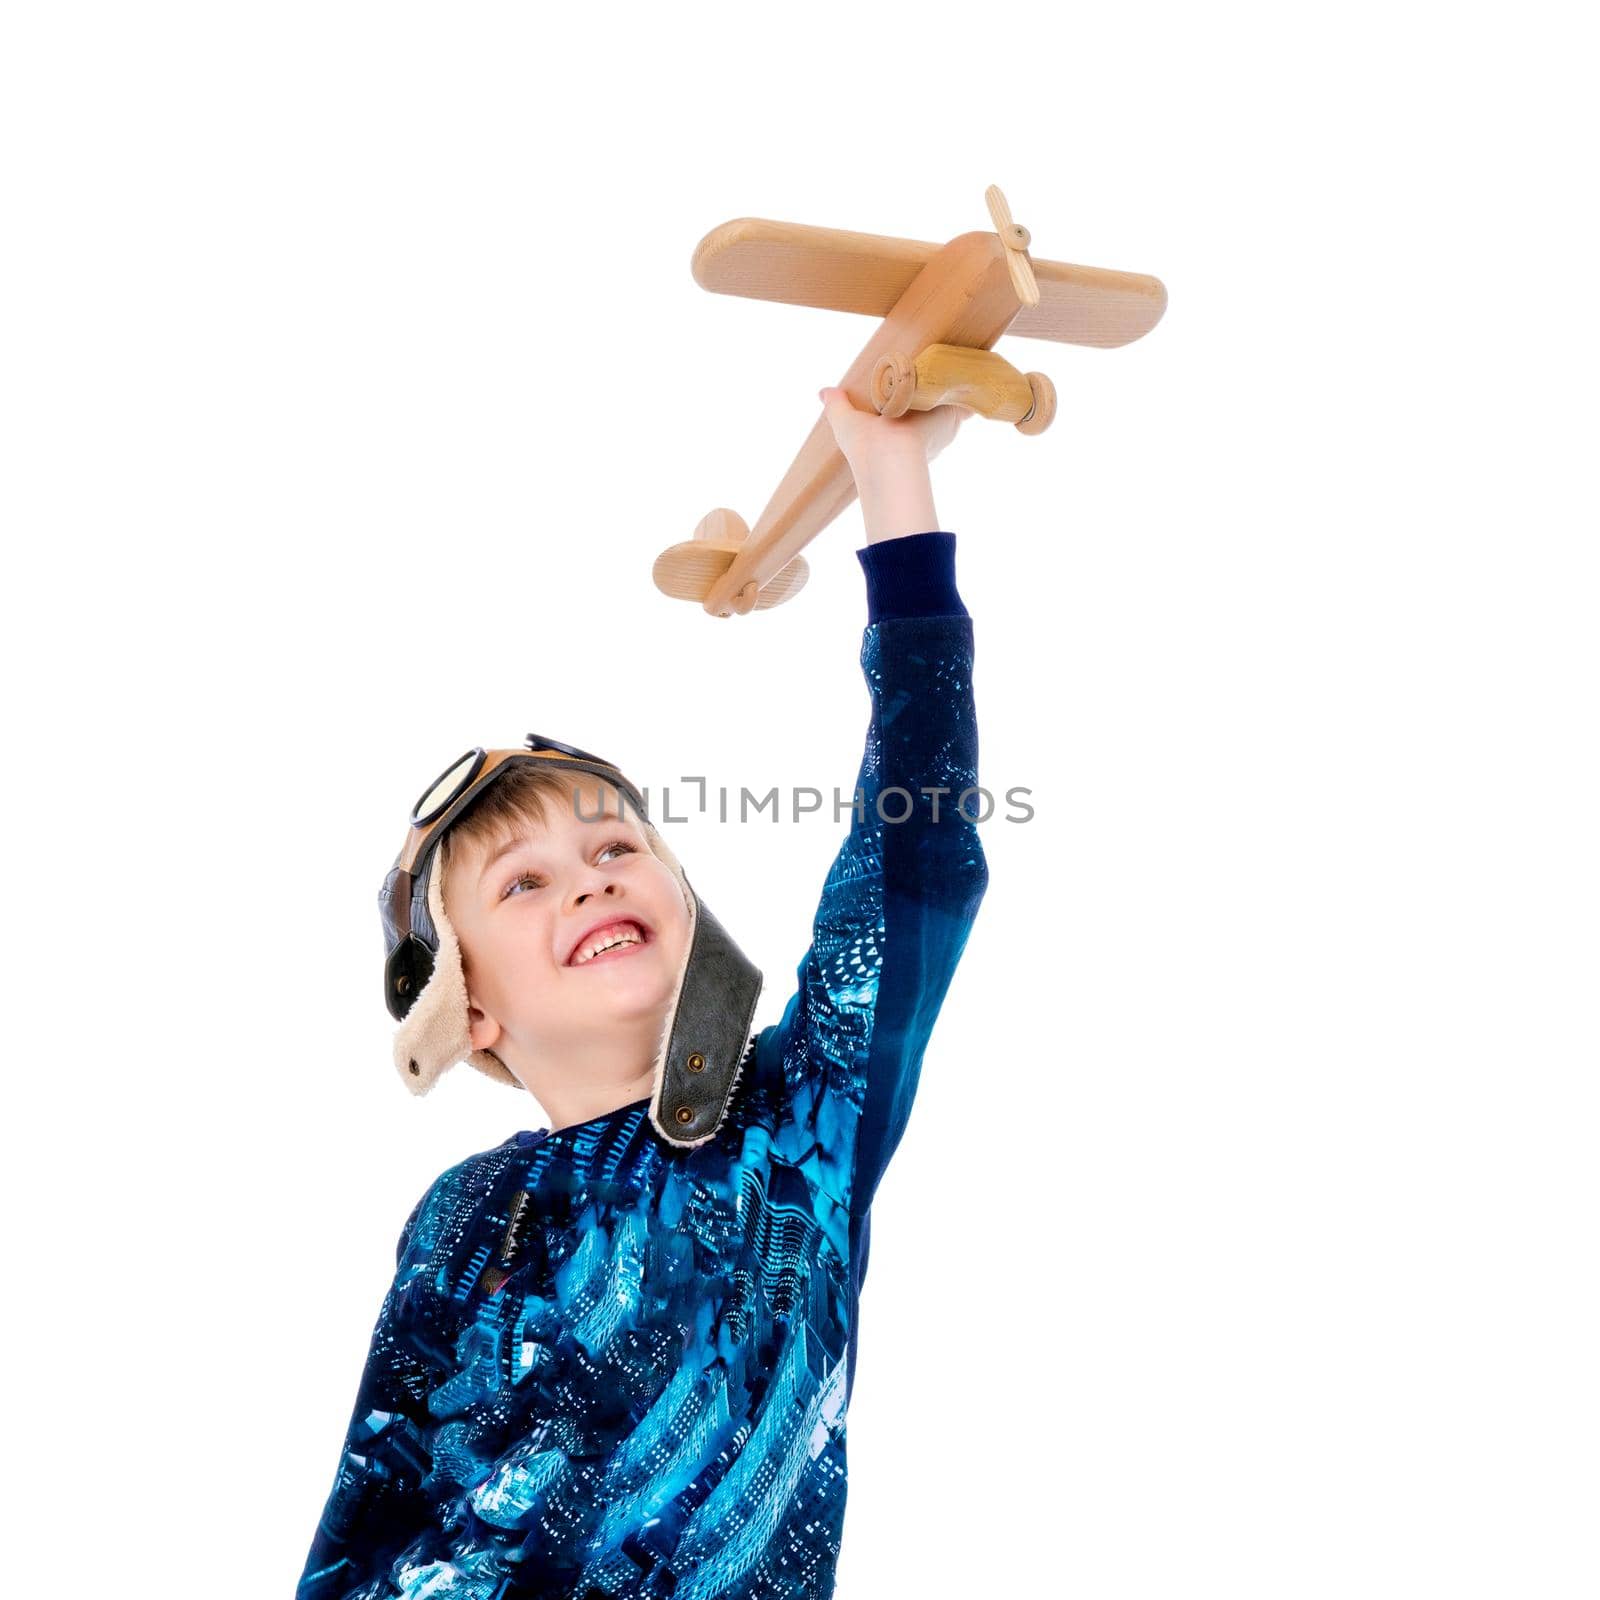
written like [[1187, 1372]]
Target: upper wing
[[835, 269]]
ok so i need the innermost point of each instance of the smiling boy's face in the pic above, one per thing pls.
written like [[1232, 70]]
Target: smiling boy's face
[[526, 905]]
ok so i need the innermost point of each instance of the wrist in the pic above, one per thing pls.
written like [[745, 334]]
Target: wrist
[[896, 466], [892, 514]]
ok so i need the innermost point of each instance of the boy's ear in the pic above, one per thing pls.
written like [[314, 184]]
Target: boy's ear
[[482, 1029]]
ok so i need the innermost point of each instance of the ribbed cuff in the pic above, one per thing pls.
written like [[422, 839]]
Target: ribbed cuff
[[912, 576]]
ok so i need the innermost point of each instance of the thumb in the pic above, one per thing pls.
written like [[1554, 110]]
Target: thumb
[[832, 399]]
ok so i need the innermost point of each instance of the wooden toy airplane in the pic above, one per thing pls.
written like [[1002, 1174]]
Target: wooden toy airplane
[[943, 308]]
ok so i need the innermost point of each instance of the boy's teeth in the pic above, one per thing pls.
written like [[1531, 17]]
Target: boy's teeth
[[605, 942]]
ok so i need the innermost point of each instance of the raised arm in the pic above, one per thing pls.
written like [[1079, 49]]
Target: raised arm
[[376, 1506], [901, 895]]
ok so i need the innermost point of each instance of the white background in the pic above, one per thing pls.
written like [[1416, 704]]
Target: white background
[[1243, 1238]]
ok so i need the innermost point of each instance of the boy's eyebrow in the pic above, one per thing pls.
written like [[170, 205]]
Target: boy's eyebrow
[[504, 850], [517, 840]]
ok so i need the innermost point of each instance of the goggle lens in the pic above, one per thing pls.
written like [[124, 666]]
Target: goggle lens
[[439, 795]]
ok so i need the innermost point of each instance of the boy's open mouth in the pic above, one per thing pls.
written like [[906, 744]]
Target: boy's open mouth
[[609, 941]]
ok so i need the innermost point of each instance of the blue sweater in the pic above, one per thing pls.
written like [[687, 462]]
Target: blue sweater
[[608, 1366]]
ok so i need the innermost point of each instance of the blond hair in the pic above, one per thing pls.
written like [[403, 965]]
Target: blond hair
[[521, 794]]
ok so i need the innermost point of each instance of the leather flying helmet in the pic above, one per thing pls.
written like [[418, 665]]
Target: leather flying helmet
[[708, 1023]]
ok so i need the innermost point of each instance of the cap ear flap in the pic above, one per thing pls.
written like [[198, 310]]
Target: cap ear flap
[[436, 1031], [491, 1066], [405, 974], [664, 853]]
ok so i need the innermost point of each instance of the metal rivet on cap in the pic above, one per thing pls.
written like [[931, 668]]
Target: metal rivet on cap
[[416, 1071], [697, 1062], [684, 1114]]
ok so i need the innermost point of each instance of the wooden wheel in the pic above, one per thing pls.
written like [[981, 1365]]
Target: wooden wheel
[[1044, 404]]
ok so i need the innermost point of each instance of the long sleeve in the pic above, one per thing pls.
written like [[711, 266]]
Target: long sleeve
[[903, 890], [377, 1505]]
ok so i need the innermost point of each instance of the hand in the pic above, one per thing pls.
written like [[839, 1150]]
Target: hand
[[868, 440]]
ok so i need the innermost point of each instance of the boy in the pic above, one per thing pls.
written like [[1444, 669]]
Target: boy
[[617, 1354]]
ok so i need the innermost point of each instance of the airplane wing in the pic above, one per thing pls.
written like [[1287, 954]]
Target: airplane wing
[[836, 270]]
